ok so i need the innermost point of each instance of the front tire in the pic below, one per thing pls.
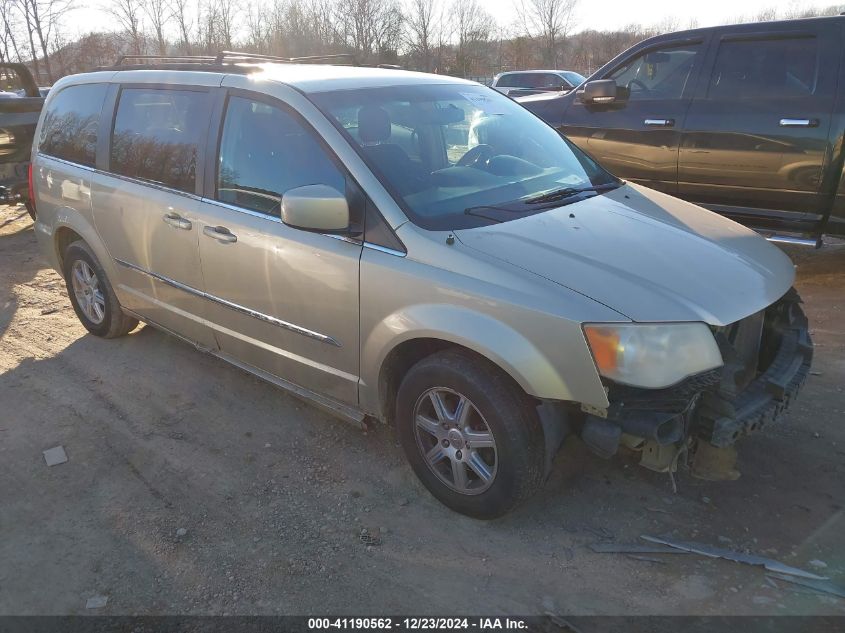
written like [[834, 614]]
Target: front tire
[[91, 294], [470, 433]]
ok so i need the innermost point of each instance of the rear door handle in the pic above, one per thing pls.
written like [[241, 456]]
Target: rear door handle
[[177, 221], [220, 233], [799, 122], [659, 122]]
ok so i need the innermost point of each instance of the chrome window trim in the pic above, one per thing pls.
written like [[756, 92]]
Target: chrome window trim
[[384, 249], [323, 338], [271, 218], [69, 163], [148, 183]]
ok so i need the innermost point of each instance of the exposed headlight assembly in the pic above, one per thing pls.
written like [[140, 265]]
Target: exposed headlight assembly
[[652, 356]]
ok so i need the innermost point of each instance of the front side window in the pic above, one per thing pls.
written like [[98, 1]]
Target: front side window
[[658, 73], [71, 122], [157, 133], [266, 151], [456, 156], [763, 69]]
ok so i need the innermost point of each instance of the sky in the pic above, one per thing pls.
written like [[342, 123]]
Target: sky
[[601, 15]]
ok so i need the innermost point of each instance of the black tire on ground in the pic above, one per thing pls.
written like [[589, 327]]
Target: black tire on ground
[[30, 208], [509, 414], [115, 322]]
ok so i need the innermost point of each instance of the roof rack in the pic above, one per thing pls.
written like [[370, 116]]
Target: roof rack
[[231, 57]]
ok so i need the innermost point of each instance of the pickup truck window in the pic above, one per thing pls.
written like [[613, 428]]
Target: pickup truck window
[[764, 68], [69, 130], [658, 73], [156, 135]]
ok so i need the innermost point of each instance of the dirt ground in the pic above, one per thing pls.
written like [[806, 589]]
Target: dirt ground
[[191, 487]]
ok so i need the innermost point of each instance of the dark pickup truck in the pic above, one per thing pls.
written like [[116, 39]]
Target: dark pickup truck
[[746, 120], [20, 106]]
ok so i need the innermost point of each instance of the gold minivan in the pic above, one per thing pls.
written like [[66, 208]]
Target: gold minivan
[[416, 249]]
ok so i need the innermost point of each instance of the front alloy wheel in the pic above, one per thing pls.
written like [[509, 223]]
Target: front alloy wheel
[[470, 433], [456, 441]]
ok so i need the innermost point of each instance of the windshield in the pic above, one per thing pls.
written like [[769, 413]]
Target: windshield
[[446, 150]]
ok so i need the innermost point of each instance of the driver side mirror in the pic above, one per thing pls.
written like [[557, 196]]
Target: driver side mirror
[[599, 91], [316, 208]]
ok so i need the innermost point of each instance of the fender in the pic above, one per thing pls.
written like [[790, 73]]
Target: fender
[[500, 343], [66, 217]]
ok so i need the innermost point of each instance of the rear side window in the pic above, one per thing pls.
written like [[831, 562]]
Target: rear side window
[[157, 134], [509, 81], [69, 129], [763, 69], [266, 151]]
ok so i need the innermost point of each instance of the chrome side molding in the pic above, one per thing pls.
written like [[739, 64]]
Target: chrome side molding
[[323, 338]]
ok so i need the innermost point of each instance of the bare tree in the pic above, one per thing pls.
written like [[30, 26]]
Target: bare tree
[[473, 28], [42, 19], [548, 20], [227, 13], [129, 18], [370, 27], [179, 13], [423, 27], [157, 12], [9, 50]]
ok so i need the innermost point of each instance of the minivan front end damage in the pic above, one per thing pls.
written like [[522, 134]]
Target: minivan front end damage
[[766, 356]]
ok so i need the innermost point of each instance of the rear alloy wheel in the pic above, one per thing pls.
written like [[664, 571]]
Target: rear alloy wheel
[[470, 433], [91, 294]]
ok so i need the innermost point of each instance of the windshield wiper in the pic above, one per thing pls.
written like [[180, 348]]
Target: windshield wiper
[[567, 192]]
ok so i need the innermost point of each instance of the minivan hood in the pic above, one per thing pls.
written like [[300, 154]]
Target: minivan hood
[[647, 255]]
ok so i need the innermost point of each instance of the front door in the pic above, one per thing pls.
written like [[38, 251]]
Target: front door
[[756, 137], [637, 136], [282, 300], [146, 207]]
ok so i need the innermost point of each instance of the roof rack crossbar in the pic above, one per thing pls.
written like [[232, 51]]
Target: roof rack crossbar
[[239, 56], [232, 57], [167, 59]]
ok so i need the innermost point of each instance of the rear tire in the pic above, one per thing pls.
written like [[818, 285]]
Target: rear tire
[[470, 433], [30, 208], [91, 294]]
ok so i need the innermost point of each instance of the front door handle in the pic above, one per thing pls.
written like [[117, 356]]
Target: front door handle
[[799, 122], [659, 122], [177, 221], [220, 233]]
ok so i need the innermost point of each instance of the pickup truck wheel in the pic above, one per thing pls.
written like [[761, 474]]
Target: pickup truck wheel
[[30, 208], [471, 435], [91, 294]]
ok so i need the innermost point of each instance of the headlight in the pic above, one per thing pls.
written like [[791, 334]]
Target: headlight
[[652, 356]]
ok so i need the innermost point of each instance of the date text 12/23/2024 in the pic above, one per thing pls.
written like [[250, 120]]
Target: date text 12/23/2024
[[418, 623]]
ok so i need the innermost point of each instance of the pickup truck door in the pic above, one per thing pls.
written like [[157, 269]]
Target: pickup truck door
[[637, 136], [755, 143]]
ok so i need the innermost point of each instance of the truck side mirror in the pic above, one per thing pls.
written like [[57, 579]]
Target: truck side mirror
[[599, 91]]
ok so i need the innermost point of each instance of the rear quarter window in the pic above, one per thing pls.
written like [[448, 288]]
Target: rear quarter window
[[157, 135], [71, 124]]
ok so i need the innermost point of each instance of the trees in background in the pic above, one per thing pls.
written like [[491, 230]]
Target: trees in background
[[456, 37]]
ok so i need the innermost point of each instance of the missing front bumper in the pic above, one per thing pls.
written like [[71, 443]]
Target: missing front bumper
[[756, 385]]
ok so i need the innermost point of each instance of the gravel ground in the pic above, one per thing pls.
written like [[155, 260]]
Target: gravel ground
[[191, 487]]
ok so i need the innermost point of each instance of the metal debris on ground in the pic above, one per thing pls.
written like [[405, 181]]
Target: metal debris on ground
[[738, 557], [56, 455], [96, 602], [647, 559], [823, 586], [370, 537], [633, 548]]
